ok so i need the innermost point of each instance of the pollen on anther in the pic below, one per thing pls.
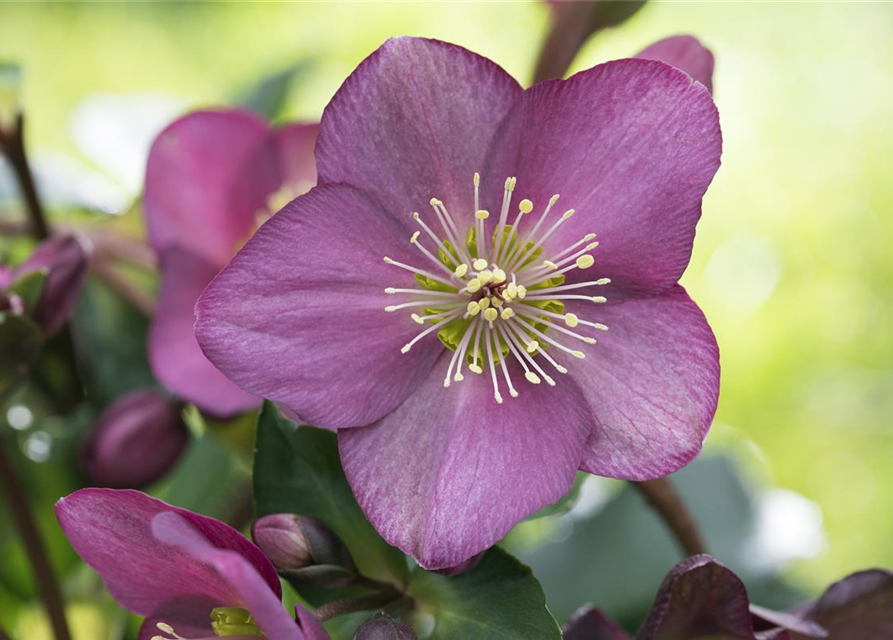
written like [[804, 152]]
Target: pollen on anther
[[550, 264], [506, 314], [491, 314], [485, 276], [479, 264], [498, 275], [603, 281], [578, 354], [474, 285], [525, 206], [390, 290], [567, 214], [599, 299], [532, 377], [473, 308], [417, 318], [415, 237], [584, 262], [482, 214], [571, 320], [388, 260], [533, 346], [461, 270]]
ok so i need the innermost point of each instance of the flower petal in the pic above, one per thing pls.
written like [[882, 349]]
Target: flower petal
[[207, 176], [699, 598], [590, 623], [685, 53], [111, 530], [652, 383], [297, 145], [449, 472], [174, 354], [311, 626], [859, 606], [189, 617], [298, 315], [253, 593], [631, 146], [413, 122]]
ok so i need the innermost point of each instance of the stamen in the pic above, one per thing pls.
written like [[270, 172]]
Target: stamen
[[533, 231], [433, 327], [496, 393], [512, 334], [450, 228], [422, 272], [433, 236], [552, 325], [420, 303], [415, 240], [577, 285]]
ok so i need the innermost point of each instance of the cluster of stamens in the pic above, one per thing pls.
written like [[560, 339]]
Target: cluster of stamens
[[502, 293], [225, 621]]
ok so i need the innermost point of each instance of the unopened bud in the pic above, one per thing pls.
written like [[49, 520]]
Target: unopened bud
[[61, 264], [384, 627], [303, 549], [136, 441]]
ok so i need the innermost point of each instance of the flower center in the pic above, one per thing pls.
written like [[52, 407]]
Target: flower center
[[225, 621], [489, 301]]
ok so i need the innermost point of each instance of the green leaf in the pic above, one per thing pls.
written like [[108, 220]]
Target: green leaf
[[268, 96], [498, 599], [20, 343], [298, 470]]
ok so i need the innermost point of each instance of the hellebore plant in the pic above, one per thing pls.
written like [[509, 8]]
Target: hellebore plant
[[454, 348], [192, 577], [212, 177], [700, 599]]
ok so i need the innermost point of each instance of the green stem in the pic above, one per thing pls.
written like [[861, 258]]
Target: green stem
[[34, 547], [663, 497], [13, 145]]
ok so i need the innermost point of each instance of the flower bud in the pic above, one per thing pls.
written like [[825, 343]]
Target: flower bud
[[136, 441], [384, 627], [64, 262], [304, 549]]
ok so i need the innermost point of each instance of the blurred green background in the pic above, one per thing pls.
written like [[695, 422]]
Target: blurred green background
[[793, 263]]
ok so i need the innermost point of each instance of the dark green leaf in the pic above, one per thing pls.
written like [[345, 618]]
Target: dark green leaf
[[268, 96], [29, 287], [498, 599], [298, 470], [20, 343]]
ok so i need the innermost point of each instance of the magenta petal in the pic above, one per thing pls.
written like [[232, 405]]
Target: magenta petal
[[311, 626], [859, 606], [631, 146], [449, 472], [685, 53], [189, 617], [176, 358], [652, 382], [253, 592], [590, 623], [298, 315], [297, 144], [111, 530], [413, 122], [207, 176]]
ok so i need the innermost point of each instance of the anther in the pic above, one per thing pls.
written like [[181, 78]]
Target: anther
[[479, 265], [550, 264], [482, 214], [525, 206], [474, 285], [532, 377], [485, 276], [584, 262], [491, 314], [533, 346], [603, 281], [388, 260], [578, 354], [417, 318], [571, 320], [567, 214], [484, 303], [461, 270], [498, 275], [390, 290], [477, 179], [507, 313], [599, 299], [415, 237], [522, 291], [473, 308]]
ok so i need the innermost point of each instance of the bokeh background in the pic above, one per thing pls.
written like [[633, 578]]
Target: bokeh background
[[793, 265]]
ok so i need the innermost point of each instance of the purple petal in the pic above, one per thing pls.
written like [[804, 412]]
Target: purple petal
[[189, 617], [66, 260], [298, 315], [253, 592], [590, 623], [685, 53], [297, 143], [859, 606], [784, 621], [631, 146], [174, 354], [699, 598], [449, 472], [311, 626], [413, 122], [111, 530], [207, 176], [652, 382]]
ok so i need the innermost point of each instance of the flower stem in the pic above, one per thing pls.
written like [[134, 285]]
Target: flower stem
[[12, 143], [34, 547], [360, 603], [663, 497], [570, 29]]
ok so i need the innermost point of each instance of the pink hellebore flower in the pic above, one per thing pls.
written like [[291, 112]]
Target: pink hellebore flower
[[193, 577], [461, 371], [212, 177]]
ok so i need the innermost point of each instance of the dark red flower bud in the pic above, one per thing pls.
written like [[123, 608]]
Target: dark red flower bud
[[135, 441], [63, 261], [304, 549], [384, 627]]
